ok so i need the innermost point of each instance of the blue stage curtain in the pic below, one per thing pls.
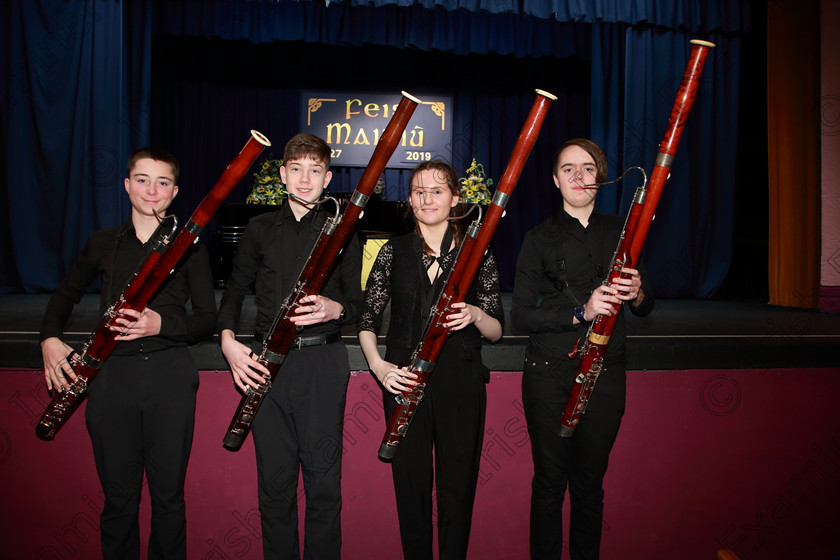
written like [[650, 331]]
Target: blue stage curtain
[[689, 15], [79, 86], [694, 16], [78, 101], [459, 32], [688, 250], [491, 6], [8, 268]]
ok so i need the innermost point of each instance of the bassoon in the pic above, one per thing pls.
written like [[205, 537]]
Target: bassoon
[[460, 279], [330, 243], [142, 286], [594, 345]]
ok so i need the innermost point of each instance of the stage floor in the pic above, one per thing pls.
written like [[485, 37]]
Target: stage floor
[[679, 334]]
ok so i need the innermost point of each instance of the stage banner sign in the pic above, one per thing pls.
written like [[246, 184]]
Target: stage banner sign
[[351, 123]]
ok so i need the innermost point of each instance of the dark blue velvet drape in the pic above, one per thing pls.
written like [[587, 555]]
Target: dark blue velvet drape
[[689, 247], [77, 103], [80, 97]]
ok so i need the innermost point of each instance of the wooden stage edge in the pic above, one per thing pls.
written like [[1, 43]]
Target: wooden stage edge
[[680, 334]]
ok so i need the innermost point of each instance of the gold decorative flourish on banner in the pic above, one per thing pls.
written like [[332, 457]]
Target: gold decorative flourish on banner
[[313, 105], [439, 109]]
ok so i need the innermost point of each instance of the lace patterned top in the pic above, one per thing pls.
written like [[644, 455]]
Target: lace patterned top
[[399, 275]]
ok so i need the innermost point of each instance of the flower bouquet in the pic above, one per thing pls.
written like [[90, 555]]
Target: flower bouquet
[[474, 185], [268, 188]]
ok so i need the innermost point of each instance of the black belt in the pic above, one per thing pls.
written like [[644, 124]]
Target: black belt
[[309, 340]]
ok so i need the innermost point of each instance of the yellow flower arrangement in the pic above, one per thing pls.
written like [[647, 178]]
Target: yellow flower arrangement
[[474, 185], [268, 188]]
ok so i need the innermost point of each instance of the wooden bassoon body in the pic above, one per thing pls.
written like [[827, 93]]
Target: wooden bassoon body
[[331, 241], [594, 346], [460, 278], [142, 287]]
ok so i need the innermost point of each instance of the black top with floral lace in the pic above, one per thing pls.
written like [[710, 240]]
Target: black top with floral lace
[[399, 275]]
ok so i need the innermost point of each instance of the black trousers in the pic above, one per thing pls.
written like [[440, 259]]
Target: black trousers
[[140, 416], [442, 448], [579, 462], [299, 428]]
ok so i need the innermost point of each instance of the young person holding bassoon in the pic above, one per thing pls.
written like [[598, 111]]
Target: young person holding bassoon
[[457, 310], [409, 272], [140, 411], [299, 426], [293, 253], [558, 289], [563, 263]]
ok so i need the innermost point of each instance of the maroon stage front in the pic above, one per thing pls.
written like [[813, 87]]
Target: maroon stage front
[[747, 459], [731, 439]]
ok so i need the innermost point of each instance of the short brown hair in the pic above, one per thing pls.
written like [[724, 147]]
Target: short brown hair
[[592, 149], [156, 154], [307, 145]]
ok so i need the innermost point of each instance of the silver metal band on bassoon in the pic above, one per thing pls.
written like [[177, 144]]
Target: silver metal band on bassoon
[[664, 160], [423, 365], [473, 230], [330, 225], [91, 361], [193, 228], [359, 199], [272, 357], [639, 197], [500, 199], [162, 241], [161, 245]]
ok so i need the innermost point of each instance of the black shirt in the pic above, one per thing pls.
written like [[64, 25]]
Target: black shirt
[[271, 255], [560, 264], [116, 254]]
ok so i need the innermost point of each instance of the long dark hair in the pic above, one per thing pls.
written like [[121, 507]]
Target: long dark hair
[[449, 177]]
